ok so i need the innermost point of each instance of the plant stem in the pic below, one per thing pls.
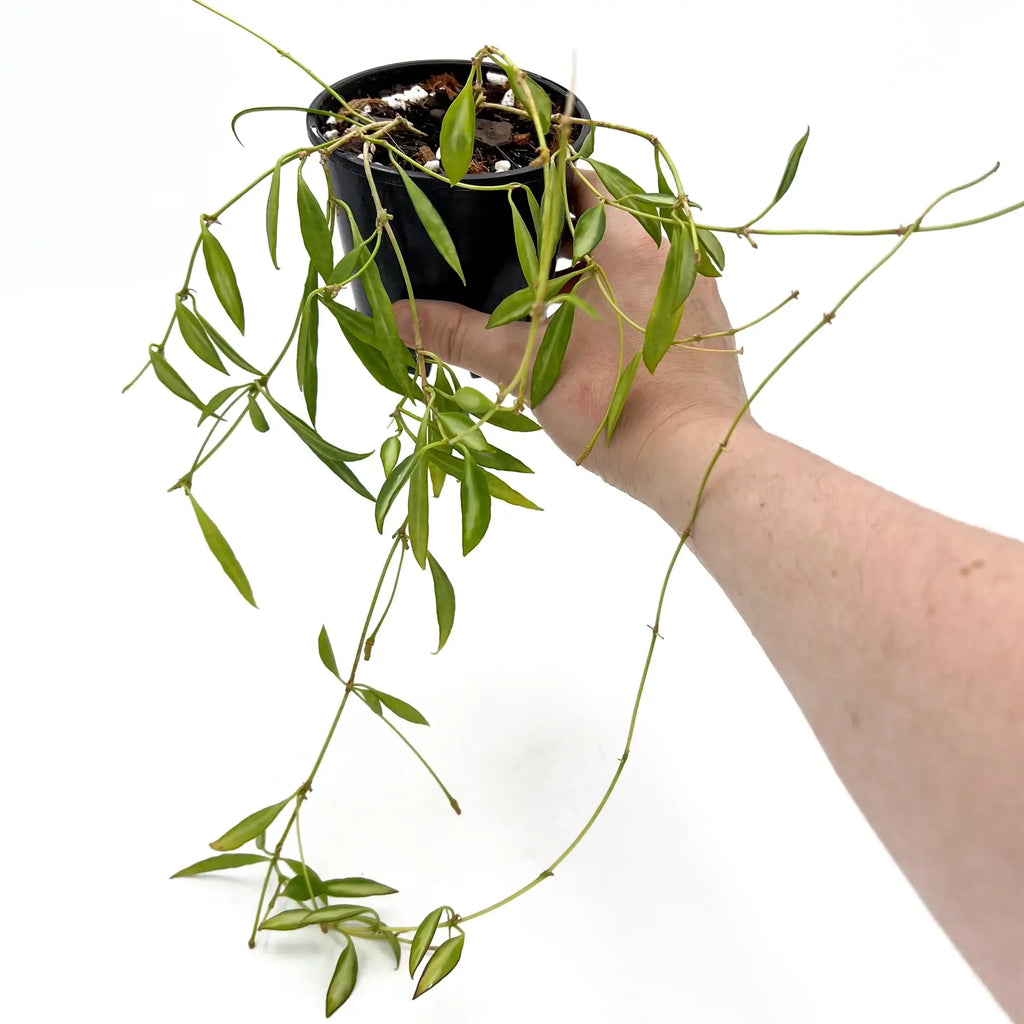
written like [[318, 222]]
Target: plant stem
[[736, 330]]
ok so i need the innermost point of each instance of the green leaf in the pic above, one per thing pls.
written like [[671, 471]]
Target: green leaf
[[391, 488], [419, 502], [222, 277], [520, 303], [495, 485], [170, 379], [508, 420], [357, 886], [472, 401], [332, 457], [259, 421], [393, 945], [226, 350], [551, 352], [531, 201], [475, 499], [541, 99], [250, 827], [552, 211], [371, 700], [306, 349], [337, 912], [675, 285], [316, 234], [358, 332], [350, 264], [343, 981], [405, 711], [273, 203], [195, 337], [441, 964], [458, 423], [222, 862], [525, 248], [619, 185], [710, 244], [458, 133], [218, 400], [228, 562], [432, 223], [791, 166], [621, 393], [423, 938], [389, 452], [286, 921], [587, 148], [589, 231], [298, 888], [323, 645], [444, 601], [436, 478]]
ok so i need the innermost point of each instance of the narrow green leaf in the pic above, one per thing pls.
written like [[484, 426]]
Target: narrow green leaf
[[458, 423], [458, 133], [551, 352], [218, 400], [587, 148], [534, 205], [326, 450], [286, 921], [432, 223], [621, 393], [663, 185], [619, 185], [710, 244], [520, 303], [391, 488], [222, 862], [441, 964], [343, 981], [552, 211], [273, 203], [316, 234], [791, 166], [495, 485], [419, 502], [323, 645], [228, 562], [572, 299], [371, 700], [393, 944], [675, 285], [195, 336], [389, 452], [541, 100], [222, 277], [589, 231], [476, 505], [405, 711], [657, 199], [250, 827], [337, 912], [225, 349], [306, 349], [436, 479], [444, 601], [357, 886], [516, 421], [170, 379], [525, 248], [495, 458], [423, 938], [706, 267], [350, 264], [259, 421]]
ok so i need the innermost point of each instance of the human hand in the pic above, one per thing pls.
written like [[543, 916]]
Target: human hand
[[690, 390]]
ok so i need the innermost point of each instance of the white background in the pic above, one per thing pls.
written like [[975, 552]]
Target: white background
[[147, 707]]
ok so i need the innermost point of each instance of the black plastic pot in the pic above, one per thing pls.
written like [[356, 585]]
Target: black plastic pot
[[479, 222]]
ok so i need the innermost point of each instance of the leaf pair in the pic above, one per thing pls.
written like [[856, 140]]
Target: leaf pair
[[445, 957], [620, 186], [376, 699]]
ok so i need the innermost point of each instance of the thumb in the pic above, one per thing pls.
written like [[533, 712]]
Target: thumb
[[459, 335]]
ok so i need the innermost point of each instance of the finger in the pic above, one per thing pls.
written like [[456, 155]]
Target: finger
[[459, 335]]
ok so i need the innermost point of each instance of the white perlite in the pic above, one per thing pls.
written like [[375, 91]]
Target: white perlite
[[509, 99], [401, 100], [496, 78], [502, 165], [331, 133], [433, 165]]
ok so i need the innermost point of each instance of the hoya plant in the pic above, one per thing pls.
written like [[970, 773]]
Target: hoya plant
[[440, 179]]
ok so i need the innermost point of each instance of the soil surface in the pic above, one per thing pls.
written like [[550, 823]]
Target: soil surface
[[499, 135]]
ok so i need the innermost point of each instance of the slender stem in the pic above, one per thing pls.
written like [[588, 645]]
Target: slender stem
[[693, 338], [422, 760], [372, 638], [201, 461]]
